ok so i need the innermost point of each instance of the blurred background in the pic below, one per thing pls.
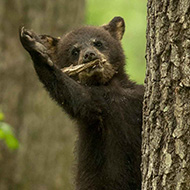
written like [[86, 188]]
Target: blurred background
[[36, 137]]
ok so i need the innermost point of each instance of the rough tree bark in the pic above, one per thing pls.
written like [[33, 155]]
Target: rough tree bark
[[166, 127], [43, 161]]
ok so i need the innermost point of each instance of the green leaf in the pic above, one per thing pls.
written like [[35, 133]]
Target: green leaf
[[11, 142], [7, 135]]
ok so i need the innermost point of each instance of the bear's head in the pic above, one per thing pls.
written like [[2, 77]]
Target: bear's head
[[90, 43]]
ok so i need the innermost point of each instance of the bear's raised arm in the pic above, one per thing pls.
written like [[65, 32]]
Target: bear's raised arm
[[67, 92]]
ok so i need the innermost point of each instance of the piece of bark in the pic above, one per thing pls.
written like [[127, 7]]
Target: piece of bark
[[76, 69]]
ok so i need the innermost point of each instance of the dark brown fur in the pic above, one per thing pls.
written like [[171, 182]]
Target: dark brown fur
[[108, 110]]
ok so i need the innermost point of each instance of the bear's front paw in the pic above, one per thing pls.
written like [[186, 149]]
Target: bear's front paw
[[32, 43]]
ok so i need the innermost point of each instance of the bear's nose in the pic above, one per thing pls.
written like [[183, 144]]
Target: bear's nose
[[89, 56]]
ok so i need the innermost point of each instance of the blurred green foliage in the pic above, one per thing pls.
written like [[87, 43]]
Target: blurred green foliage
[[7, 135], [134, 12]]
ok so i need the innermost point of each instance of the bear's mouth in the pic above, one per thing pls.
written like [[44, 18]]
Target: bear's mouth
[[89, 67], [97, 66]]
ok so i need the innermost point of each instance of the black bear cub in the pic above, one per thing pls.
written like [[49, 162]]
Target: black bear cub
[[96, 92]]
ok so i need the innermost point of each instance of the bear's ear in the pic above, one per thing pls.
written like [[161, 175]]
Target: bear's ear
[[49, 41], [116, 27]]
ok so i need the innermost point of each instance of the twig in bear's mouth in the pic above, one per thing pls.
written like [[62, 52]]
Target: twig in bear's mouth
[[75, 69]]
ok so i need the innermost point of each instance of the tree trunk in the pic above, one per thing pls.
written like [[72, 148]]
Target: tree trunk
[[43, 160], [166, 127]]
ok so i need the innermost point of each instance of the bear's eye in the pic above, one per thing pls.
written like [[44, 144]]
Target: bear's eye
[[98, 44], [75, 52]]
